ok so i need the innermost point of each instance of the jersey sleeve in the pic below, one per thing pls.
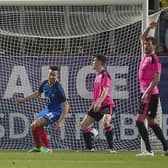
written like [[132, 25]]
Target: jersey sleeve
[[106, 80], [61, 94], [156, 67]]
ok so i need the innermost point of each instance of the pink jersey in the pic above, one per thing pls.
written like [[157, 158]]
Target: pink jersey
[[148, 67], [102, 80]]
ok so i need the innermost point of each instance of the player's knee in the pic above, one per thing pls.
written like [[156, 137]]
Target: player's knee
[[140, 118], [106, 124], [82, 125], [152, 122], [34, 125]]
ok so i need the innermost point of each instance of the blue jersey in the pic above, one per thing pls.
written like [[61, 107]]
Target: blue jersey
[[55, 96]]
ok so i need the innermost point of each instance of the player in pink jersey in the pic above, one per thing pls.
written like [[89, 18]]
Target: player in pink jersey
[[149, 76], [102, 104]]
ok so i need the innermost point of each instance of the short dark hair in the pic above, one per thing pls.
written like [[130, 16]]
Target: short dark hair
[[101, 58], [152, 39], [54, 68]]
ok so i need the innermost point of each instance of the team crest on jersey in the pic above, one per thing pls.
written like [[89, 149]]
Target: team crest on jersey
[[145, 63]]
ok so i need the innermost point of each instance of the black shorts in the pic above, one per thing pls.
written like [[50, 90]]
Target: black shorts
[[150, 109], [99, 114]]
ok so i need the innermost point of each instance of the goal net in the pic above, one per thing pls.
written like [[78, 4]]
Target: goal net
[[34, 36]]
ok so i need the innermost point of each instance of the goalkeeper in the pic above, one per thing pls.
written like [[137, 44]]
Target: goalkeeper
[[54, 112]]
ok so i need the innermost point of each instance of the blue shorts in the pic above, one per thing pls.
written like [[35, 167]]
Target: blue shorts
[[50, 116]]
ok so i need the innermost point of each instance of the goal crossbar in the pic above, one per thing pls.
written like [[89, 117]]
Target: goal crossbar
[[70, 2]]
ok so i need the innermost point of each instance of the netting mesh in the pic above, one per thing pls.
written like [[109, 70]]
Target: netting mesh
[[34, 37], [67, 28]]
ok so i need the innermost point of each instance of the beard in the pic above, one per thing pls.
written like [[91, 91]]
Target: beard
[[148, 51]]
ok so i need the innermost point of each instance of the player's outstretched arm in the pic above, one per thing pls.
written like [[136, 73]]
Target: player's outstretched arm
[[145, 34], [30, 97], [63, 115]]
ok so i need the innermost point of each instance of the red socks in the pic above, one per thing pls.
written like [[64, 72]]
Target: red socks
[[36, 138], [44, 137], [40, 137]]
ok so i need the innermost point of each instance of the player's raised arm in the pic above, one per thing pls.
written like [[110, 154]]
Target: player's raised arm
[[30, 97], [145, 34]]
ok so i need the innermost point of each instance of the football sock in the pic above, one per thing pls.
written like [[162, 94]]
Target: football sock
[[109, 136], [36, 138], [158, 132], [144, 134], [43, 136], [87, 138]]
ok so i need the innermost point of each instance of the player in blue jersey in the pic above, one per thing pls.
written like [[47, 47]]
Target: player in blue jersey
[[53, 113]]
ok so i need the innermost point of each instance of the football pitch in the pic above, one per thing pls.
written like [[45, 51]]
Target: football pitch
[[73, 159]]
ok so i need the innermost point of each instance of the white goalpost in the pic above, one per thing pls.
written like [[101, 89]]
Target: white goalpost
[[36, 34]]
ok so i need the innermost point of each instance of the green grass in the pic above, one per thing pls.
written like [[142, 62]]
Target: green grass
[[73, 159]]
